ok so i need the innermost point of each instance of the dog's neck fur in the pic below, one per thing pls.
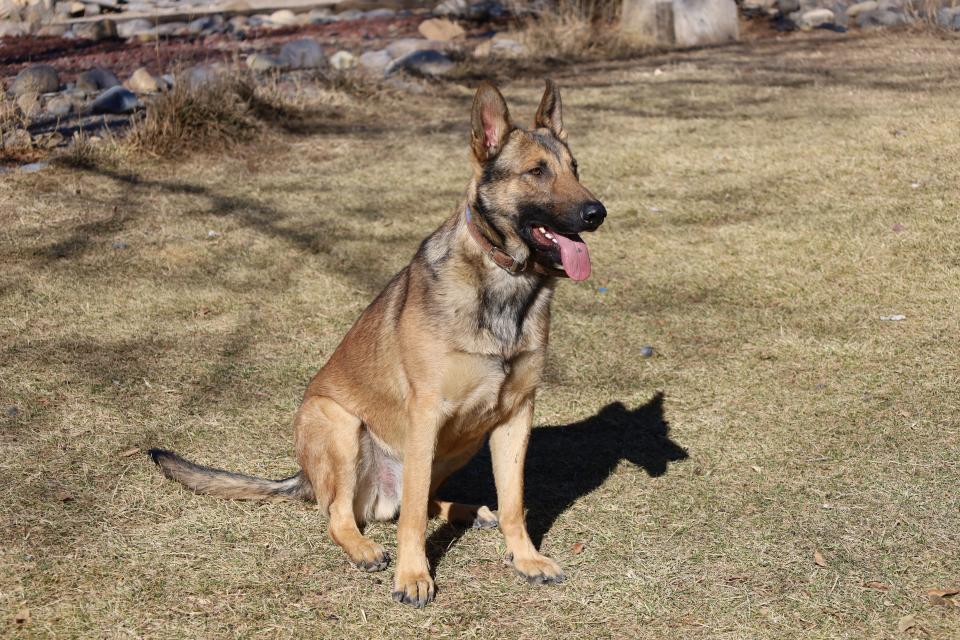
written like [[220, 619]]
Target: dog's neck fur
[[496, 312]]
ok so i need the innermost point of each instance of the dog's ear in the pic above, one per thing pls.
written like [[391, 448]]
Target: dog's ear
[[550, 113], [490, 122]]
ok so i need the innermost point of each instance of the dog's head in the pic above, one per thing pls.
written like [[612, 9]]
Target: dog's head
[[527, 185]]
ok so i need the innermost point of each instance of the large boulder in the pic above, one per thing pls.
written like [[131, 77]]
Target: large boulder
[[39, 78], [96, 79], [684, 23], [302, 54]]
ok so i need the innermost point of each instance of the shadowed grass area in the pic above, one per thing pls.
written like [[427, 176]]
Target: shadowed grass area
[[768, 204]]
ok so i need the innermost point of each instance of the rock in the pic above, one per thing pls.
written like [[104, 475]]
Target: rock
[[881, 18], [172, 29], [404, 46], [949, 18], [375, 61], [856, 9], [92, 10], [318, 16], [238, 24], [284, 18], [264, 62], [39, 78], [206, 23], [379, 13], [17, 139], [343, 60], [132, 28], [10, 29], [200, 76], [700, 22], [500, 48], [29, 104], [440, 29], [142, 81], [426, 62], [815, 18], [117, 100], [12, 411], [60, 106], [349, 14], [788, 6], [96, 31], [33, 167], [467, 10], [302, 54], [96, 80], [646, 351], [53, 30]]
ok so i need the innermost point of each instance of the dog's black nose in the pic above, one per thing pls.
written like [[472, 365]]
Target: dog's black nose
[[593, 214]]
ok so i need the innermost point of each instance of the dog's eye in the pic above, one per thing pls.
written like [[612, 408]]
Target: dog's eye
[[536, 171]]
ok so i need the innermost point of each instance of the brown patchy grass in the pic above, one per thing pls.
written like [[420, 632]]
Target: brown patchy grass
[[754, 193]]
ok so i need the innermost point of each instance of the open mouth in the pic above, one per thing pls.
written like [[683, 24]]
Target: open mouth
[[568, 249]]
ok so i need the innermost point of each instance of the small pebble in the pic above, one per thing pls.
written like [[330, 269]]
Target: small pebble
[[897, 228], [120, 245], [213, 234], [13, 412], [646, 351]]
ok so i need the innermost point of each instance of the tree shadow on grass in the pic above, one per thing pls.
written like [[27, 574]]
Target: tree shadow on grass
[[566, 463]]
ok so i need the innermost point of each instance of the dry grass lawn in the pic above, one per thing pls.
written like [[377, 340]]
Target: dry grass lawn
[[769, 203]]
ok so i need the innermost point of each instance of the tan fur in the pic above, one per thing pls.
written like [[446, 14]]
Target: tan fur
[[430, 370]]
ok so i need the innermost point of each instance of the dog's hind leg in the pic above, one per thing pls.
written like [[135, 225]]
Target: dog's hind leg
[[469, 515], [329, 448]]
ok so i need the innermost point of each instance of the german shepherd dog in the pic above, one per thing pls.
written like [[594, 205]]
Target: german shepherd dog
[[448, 355]]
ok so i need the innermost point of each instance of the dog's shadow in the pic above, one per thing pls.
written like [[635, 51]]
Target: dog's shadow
[[565, 463]]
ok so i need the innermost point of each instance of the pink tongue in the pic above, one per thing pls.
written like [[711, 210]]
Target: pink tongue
[[574, 256]]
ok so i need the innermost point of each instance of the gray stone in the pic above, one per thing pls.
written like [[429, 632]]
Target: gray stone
[[700, 22], [882, 18], [96, 80], [33, 167], [426, 62], [684, 23], [318, 16], [117, 100], [646, 351], [206, 23], [91, 10], [60, 106], [500, 48], [477, 10], [200, 76], [349, 14], [375, 61], [302, 54], [379, 13], [172, 29], [12, 411], [132, 28], [815, 18], [40, 78], [788, 6]]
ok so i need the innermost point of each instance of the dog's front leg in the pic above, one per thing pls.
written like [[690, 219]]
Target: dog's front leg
[[508, 448], [412, 583]]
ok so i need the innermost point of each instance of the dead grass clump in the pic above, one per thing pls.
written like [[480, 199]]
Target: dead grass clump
[[16, 145], [213, 116], [575, 30]]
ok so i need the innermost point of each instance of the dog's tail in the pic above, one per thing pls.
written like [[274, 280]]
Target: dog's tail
[[225, 484]]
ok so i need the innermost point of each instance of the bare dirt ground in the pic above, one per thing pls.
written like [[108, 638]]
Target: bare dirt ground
[[784, 466]]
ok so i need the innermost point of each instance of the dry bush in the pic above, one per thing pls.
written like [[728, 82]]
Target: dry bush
[[214, 116], [574, 29], [926, 10], [16, 146]]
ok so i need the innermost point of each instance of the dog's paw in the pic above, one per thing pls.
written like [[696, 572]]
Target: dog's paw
[[370, 557], [485, 519], [537, 569], [415, 589]]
